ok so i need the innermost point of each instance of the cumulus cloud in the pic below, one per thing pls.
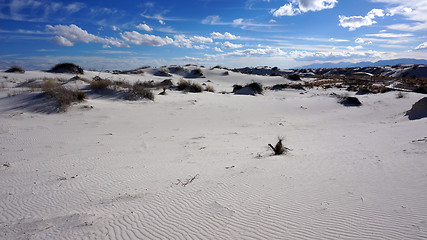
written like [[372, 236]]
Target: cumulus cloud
[[218, 49], [225, 36], [422, 46], [146, 39], [68, 35], [200, 39], [229, 45], [62, 41], [296, 7], [355, 22], [182, 41], [144, 27], [258, 52]]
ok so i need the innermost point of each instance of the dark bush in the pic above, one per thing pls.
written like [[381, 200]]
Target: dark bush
[[257, 87], [67, 68], [15, 69], [197, 72], [294, 77], [237, 87]]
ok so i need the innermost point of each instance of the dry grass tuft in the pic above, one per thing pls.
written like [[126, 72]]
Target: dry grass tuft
[[210, 89], [62, 96], [138, 92]]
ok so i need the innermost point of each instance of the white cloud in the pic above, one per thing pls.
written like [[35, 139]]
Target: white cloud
[[72, 33], [338, 40], [354, 22], [422, 46], [200, 39], [296, 7], [182, 41], [375, 13], [359, 41], [200, 47], [390, 35], [333, 55], [115, 28], [62, 41], [413, 10], [37, 10], [258, 52], [218, 49], [144, 27], [226, 36], [146, 39], [212, 20], [229, 45]]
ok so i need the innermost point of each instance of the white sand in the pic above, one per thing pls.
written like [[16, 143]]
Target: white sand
[[112, 172]]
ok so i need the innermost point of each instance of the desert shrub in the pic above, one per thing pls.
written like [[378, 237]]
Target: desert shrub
[[182, 85], [122, 84], [237, 87], [294, 77], [197, 72], [166, 83], [62, 96], [176, 69], [195, 87], [210, 89], [67, 68], [257, 87], [188, 86], [164, 72], [139, 91], [15, 69], [100, 84], [49, 83]]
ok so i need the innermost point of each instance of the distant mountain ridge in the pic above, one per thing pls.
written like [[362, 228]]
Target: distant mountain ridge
[[367, 64]]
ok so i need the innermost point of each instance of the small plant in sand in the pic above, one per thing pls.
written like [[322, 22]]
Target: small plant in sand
[[15, 69], [279, 149], [400, 95], [209, 88], [62, 96]]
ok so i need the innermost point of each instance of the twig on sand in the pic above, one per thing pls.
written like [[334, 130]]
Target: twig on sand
[[187, 181]]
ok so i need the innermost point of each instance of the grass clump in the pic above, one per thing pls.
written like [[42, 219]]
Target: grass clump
[[139, 91], [210, 89], [15, 69], [188, 86], [62, 96], [100, 84]]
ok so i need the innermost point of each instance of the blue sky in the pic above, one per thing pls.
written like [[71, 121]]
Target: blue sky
[[37, 34]]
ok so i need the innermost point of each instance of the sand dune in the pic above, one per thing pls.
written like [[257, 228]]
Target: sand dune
[[197, 165]]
